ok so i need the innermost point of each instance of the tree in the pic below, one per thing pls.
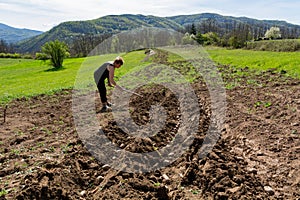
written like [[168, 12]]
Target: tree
[[235, 42], [83, 44], [273, 33], [57, 51], [211, 38], [188, 38], [6, 48], [3, 46], [200, 38], [239, 36], [209, 25], [193, 29]]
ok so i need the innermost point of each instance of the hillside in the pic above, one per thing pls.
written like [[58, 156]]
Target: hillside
[[111, 24], [207, 22], [222, 20], [12, 35]]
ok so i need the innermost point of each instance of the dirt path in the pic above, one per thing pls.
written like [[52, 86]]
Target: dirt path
[[257, 156]]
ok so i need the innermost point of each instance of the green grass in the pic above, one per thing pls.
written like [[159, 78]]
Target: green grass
[[20, 77], [25, 78], [258, 60]]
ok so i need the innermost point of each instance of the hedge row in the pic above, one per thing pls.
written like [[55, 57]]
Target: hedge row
[[15, 55], [290, 45]]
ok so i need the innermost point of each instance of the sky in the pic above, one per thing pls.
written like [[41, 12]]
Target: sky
[[45, 14]]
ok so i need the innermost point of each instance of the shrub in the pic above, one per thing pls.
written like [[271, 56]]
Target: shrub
[[27, 56], [200, 38], [10, 55], [288, 45], [57, 51], [235, 42], [188, 38], [211, 38], [41, 56]]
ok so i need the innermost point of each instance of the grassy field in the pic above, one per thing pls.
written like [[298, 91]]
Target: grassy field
[[258, 60], [25, 78]]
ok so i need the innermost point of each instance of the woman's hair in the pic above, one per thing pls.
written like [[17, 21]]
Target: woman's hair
[[119, 60]]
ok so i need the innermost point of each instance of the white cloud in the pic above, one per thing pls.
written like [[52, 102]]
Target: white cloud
[[44, 14]]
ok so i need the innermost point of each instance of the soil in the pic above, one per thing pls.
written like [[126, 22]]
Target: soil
[[256, 157]]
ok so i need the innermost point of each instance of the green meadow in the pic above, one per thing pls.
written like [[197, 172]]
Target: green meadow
[[25, 78], [258, 60]]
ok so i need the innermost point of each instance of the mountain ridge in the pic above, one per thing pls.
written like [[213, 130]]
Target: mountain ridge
[[12, 35], [111, 24]]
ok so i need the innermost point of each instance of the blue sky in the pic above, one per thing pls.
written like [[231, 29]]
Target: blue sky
[[44, 14]]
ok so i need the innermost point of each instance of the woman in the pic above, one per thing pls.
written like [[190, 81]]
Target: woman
[[107, 71]]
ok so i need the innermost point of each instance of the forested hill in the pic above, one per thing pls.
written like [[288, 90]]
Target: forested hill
[[223, 20], [105, 26], [211, 22]]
